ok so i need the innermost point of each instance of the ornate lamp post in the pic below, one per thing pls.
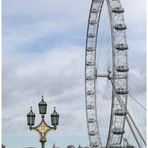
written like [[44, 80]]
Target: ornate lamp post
[[43, 128]]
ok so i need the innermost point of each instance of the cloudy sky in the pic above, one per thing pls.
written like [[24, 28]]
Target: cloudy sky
[[43, 54]]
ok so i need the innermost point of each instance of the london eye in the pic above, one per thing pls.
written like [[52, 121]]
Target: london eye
[[106, 77]]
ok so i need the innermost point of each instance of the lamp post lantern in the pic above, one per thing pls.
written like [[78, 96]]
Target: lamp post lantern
[[42, 106], [54, 118], [43, 128]]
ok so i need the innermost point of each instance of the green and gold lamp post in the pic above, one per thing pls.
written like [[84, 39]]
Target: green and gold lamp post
[[43, 128]]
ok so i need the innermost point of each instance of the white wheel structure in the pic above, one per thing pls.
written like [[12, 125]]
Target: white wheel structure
[[118, 75]]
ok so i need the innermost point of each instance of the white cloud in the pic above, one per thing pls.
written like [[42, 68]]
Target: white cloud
[[45, 8], [135, 12], [56, 74]]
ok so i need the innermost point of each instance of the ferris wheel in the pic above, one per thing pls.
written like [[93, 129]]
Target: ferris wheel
[[116, 71]]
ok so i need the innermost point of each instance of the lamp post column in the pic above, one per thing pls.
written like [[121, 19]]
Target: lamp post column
[[42, 144]]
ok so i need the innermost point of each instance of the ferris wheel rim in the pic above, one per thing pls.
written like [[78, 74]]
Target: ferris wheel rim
[[99, 144]]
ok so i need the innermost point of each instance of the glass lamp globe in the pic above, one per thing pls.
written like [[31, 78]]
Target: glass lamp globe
[[42, 106], [31, 118], [55, 118]]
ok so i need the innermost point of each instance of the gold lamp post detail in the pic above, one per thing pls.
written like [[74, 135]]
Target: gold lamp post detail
[[43, 128]]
